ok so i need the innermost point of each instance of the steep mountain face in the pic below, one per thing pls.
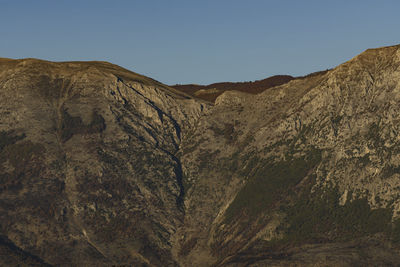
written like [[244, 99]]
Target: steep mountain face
[[89, 172], [100, 166], [296, 174]]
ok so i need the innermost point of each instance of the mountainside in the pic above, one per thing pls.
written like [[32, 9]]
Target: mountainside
[[212, 91], [100, 166], [89, 168]]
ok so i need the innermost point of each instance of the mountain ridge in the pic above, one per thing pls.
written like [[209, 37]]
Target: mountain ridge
[[102, 166], [212, 91]]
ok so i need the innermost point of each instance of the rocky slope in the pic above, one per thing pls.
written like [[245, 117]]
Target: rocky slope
[[89, 168], [101, 166]]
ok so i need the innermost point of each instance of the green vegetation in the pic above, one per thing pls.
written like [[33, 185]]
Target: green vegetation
[[320, 217], [270, 181], [50, 88], [389, 170], [7, 138], [97, 125], [23, 154], [364, 160], [13, 255], [24, 158], [74, 125], [310, 217], [70, 126], [395, 233]]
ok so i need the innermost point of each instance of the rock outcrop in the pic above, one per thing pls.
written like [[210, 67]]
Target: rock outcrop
[[100, 166]]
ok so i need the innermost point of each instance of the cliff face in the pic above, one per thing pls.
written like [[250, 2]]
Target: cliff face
[[101, 166]]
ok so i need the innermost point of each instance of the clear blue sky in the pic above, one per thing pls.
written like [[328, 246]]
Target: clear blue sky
[[200, 41]]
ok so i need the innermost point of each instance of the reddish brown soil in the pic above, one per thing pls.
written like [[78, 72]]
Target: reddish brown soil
[[255, 87], [248, 87]]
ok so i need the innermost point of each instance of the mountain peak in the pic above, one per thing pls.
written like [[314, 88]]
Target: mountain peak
[[102, 166]]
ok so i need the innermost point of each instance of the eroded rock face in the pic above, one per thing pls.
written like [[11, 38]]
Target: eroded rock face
[[101, 166], [311, 161], [89, 167]]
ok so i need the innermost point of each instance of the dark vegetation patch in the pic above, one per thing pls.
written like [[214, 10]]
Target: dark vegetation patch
[[52, 88], [116, 208], [47, 205], [74, 125], [318, 217], [25, 159], [22, 167], [269, 183], [310, 217], [8, 138], [22, 155], [364, 160], [70, 126], [11, 255], [105, 207], [248, 87], [227, 131], [395, 233], [284, 187], [389, 170]]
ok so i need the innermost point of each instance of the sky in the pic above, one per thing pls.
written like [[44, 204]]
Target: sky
[[201, 42]]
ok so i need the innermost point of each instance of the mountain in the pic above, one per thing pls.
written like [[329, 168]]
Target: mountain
[[90, 173], [212, 91], [101, 166]]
